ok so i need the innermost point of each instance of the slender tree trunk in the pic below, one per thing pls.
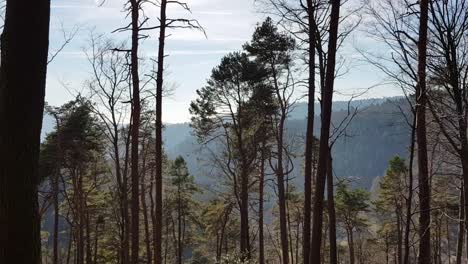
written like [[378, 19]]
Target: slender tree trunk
[[89, 255], [96, 242], [122, 194], [24, 50], [461, 225], [135, 208], [424, 186], [159, 91], [282, 197], [325, 133], [309, 145], [56, 194], [261, 245], [449, 244], [409, 201], [56, 218], [351, 245], [179, 226], [70, 243], [126, 220], [244, 214], [153, 213], [149, 254], [331, 212], [399, 236], [81, 221]]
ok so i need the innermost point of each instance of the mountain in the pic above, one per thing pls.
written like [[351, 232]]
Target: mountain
[[376, 133]]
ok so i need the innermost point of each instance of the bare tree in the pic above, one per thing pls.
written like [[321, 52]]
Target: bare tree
[[327, 96], [108, 90], [165, 23]]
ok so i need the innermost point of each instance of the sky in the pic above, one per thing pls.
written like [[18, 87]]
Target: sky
[[191, 56]]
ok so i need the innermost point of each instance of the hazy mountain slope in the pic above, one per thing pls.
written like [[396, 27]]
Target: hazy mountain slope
[[375, 135]]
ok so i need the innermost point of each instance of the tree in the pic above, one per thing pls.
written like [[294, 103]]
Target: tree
[[392, 196], [272, 50], [21, 109], [327, 96], [309, 144], [109, 96], [423, 179], [446, 68], [185, 189], [135, 9], [350, 204], [165, 23], [220, 113]]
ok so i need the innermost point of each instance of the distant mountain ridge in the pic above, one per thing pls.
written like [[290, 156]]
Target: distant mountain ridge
[[376, 134]]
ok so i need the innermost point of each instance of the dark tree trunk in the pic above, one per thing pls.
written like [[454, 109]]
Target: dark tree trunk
[[135, 208], [24, 50], [56, 217], [424, 188], [282, 196], [80, 243], [261, 240], [331, 212], [244, 214], [461, 225], [89, 255], [325, 133], [351, 245], [124, 243], [56, 189], [409, 201], [125, 205], [96, 241], [399, 235], [309, 137], [179, 226], [158, 150], [149, 255]]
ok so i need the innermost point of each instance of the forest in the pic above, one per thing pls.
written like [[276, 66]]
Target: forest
[[279, 161]]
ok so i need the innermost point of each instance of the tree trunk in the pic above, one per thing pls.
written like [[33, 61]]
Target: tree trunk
[[282, 197], [331, 212], [351, 245], [325, 133], [309, 144], [149, 254], [261, 246], [80, 243], [56, 189], [461, 225], [179, 226], [244, 214], [24, 50], [89, 254], [135, 208], [399, 236], [158, 150], [424, 188], [409, 201]]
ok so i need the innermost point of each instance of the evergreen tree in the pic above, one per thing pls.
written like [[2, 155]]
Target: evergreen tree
[[350, 206]]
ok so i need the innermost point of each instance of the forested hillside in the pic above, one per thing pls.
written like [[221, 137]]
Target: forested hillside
[[377, 133], [281, 159]]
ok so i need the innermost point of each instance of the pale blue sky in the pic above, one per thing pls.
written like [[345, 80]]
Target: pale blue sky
[[228, 24]]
